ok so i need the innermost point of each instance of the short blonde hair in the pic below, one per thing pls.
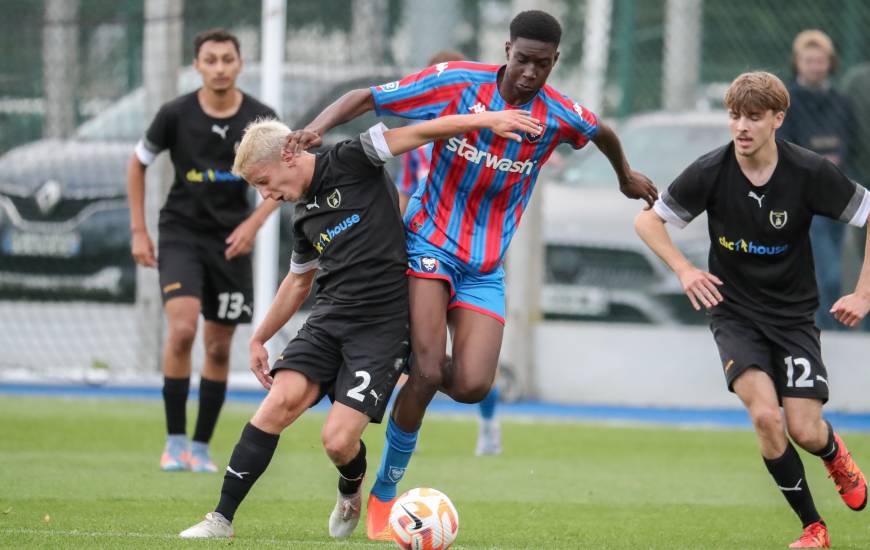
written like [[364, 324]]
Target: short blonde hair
[[757, 92], [261, 143], [814, 38]]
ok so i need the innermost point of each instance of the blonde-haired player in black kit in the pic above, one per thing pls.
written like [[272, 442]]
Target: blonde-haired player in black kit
[[760, 195], [355, 342]]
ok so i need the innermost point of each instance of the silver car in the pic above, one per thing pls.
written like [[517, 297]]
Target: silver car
[[597, 268]]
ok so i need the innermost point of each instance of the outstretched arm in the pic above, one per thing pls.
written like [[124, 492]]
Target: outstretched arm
[[504, 123], [698, 285], [349, 106], [852, 308], [633, 184]]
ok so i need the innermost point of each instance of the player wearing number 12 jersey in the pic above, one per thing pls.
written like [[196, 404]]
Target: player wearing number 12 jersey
[[460, 223], [760, 195]]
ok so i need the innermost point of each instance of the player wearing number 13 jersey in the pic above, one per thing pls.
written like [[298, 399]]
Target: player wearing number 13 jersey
[[206, 231], [761, 195], [459, 224]]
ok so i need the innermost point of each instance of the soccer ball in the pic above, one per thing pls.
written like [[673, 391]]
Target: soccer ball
[[424, 519]]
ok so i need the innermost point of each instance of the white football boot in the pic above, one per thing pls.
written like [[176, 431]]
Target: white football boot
[[488, 438], [214, 526], [345, 515]]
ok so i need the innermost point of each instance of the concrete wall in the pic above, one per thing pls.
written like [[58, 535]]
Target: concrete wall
[[678, 367]]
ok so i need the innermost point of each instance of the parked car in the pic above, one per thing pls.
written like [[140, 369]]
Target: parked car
[[64, 221], [597, 268]]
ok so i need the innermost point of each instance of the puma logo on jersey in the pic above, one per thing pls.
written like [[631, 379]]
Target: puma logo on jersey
[[222, 132], [312, 204], [753, 195]]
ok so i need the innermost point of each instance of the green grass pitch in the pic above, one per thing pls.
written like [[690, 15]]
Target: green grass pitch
[[83, 474]]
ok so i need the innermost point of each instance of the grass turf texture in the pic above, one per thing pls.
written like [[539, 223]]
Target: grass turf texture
[[83, 474]]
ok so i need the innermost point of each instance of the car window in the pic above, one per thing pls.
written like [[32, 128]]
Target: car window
[[306, 92], [661, 151]]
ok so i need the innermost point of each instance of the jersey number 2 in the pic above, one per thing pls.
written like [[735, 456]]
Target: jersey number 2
[[803, 380], [356, 391]]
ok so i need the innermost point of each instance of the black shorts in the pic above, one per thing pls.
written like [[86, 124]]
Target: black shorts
[[791, 356], [356, 359], [194, 265]]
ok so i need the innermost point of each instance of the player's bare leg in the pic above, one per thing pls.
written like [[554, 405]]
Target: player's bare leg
[[291, 395], [341, 436], [815, 435], [470, 375], [182, 315], [217, 339], [428, 311], [756, 389]]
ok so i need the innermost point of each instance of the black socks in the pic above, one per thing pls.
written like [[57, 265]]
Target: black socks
[[175, 392], [250, 458], [211, 398], [788, 473], [351, 474]]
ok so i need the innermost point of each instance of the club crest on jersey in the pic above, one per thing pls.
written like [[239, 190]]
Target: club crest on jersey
[[778, 219], [334, 199], [532, 138], [390, 86], [428, 265]]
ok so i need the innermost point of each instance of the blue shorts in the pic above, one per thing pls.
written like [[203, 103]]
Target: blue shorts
[[480, 292]]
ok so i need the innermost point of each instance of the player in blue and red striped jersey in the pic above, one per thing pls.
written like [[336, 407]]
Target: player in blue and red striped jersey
[[413, 172], [459, 224]]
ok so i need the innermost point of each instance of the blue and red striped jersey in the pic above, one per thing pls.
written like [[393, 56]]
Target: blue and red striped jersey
[[414, 168], [479, 183]]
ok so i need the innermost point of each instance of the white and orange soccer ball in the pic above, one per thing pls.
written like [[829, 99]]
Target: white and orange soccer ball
[[424, 519]]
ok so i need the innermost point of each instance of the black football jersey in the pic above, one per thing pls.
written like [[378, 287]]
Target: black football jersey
[[760, 245], [349, 226], [205, 195]]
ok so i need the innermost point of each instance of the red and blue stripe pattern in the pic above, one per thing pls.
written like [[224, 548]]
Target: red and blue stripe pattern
[[479, 184], [413, 169]]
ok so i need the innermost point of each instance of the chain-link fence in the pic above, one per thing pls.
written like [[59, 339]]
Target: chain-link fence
[[73, 104]]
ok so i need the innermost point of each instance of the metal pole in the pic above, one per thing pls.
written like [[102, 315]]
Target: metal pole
[[160, 61], [596, 45], [625, 54], [60, 47], [682, 54], [273, 26]]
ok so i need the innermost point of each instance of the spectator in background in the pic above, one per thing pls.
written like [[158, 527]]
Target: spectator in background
[[821, 120], [413, 171]]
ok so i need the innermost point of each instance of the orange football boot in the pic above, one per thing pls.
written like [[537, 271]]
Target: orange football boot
[[815, 536], [848, 477], [378, 518]]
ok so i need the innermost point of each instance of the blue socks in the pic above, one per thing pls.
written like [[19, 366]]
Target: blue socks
[[487, 406], [398, 449]]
